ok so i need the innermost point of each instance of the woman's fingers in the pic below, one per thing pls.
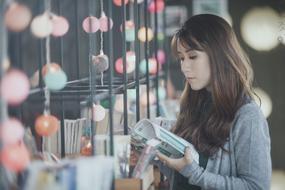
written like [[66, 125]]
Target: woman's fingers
[[164, 159]]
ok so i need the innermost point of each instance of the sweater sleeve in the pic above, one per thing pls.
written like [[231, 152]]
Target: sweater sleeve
[[251, 143]]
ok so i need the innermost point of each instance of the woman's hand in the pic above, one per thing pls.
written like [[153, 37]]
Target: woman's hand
[[177, 164]]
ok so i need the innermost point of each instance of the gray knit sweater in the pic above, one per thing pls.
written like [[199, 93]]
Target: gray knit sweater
[[246, 167]]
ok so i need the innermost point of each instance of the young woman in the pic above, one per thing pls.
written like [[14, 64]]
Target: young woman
[[217, 113]]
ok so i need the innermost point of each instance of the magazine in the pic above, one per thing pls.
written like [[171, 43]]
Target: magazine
[[170, 144]]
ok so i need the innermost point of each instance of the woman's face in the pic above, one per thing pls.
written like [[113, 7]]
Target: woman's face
[[195, 66]]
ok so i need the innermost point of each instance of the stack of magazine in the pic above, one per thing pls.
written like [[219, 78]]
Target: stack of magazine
[[170, 144]]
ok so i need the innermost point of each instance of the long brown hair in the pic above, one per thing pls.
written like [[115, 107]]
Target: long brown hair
[[205, 117]]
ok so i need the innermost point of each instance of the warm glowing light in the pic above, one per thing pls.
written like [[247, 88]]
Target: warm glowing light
[[51, 67], [259, 28], [42, 26], [152, 66], [130, 30], [130, 63], [142, 34]]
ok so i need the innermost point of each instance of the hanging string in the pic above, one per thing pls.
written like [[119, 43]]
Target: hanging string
[[46, 90], [102, 39]]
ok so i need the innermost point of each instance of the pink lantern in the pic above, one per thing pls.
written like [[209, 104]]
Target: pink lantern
[[160, 56], [119, 2], [91, 21], [104, 23], [15, 87], [12, 131], [15, 157], [160, 6], [17, 17], [60, 26], [130, 63], [46, 125]]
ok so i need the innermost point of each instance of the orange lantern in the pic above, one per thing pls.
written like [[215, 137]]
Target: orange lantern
[[46, 125]]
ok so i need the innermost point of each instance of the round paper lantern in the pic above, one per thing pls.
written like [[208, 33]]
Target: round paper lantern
[[160, 56], [15, 157], [119, 2], [12, 131], [130, 63], [15, 87], [46, 125], [55, 80], [91, 21], [42, 26], [99, 112], [17, 17], [101, 62], [259, 28], [104, 23], [130, 30], [142, 34], [51, 67], [60, 26], [159, 6], [152, 66], [143, 99], [266, 103]]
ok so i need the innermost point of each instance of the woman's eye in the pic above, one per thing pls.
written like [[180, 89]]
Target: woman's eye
[[193, 57]]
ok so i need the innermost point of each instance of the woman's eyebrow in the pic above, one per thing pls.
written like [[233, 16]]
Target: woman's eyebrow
[[188, 50]]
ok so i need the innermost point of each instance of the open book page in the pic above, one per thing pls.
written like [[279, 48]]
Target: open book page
[[171, 145]]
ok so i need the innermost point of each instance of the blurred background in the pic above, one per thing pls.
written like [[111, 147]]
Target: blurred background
[[259, 25]]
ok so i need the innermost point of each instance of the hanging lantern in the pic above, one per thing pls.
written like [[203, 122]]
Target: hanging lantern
[[159, 6], [51, 67], [130, 63], [55, 80], [101, 62], [15, 157], [41, 26], [17, 17], [119, 2], [142, 34], [152, 66], [160, 56], [60, 26], [104, 23], [130, 30], [15, 87], [12, 131], [46, 125], [98, 112], [91, 21]]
